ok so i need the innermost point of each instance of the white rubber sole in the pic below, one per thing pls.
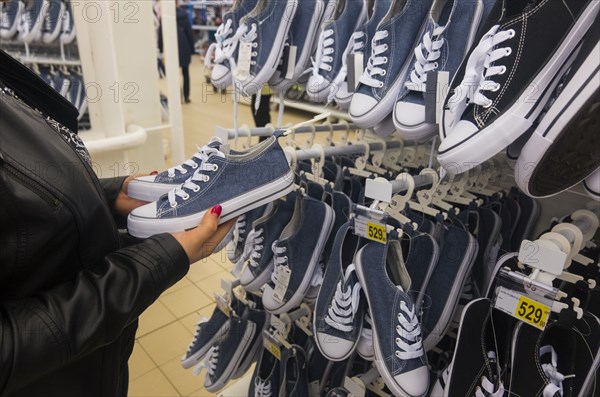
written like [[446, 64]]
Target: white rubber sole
[[50, 37], [234, 362], [591, 185], [199, 355], [467, 149], [146, 227], [299, 294], [260, 280], [149, 191], [583, 85], [379, 361], [255, 83]]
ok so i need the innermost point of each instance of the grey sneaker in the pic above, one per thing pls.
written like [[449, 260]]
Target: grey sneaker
[[239, 183], [388, 64], [339, 310], [265, 231], [334, 44], [224, 50], [398, 346], [361, 44], [262, 38], [449, 31], [297, 254], [152, 187], [303, 33]]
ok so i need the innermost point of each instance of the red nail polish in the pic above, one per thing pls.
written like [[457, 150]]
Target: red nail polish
[[217, 209], [154, 173]]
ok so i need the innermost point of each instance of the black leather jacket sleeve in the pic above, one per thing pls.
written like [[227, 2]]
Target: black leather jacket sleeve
[[54, 328]]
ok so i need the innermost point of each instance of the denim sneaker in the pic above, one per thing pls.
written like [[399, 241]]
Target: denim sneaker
[[392, 46], [397, 341], [262, 38], [495, 103], [265, 231], [293, 377], [333, 46], [10, 17], [302, 35], [449, 31], [530, 211], [67, 31], [225, 48], [591, 185], [258, 316], [226, 355], [457, 255], [32, 20], [364, 347], [422, 258], [265, 378], [567, 134], [52, 20], [339, 310], [241, 230], [239, 183], [361, 44], [152, 187], [208, 332], [296, 254]]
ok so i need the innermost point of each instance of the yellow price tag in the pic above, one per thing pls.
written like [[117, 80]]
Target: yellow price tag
[[376, 232], [532, 312], [274, 350]]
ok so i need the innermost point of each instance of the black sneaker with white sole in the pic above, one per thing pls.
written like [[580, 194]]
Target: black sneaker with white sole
[[265, 379], [510, 75], [293, 377]]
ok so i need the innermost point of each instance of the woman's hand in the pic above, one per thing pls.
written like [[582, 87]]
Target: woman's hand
[[125, 204], [200, 242]]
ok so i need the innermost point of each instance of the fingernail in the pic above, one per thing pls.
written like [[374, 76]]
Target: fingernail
[[217, 209], [154, 173]]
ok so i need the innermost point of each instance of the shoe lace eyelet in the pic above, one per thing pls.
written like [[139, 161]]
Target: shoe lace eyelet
[[255, 44], [173, 205], [381, 85], [196, 189], [503, 69], [186, 197], [215, 167], [508, 51], [384, 73], [195, 166], [512, 33], [184, 171]]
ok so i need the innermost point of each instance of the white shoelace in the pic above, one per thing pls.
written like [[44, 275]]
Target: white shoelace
[[249, 36], [222, 41], [281, 262], [551, 371], [427, 53], [355, 45], [193, 163], [199, 176], [345, 303], [478, 70], [196, 334], [252, 249], [376, 60], [262, 388], [324, 56], [487, 387], [210, 363], [239, 233], [409, 341]]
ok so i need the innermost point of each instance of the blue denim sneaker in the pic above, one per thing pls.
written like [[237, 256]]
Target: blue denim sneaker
[[509, 77], [242, 229], [333, 45], [208, 332], [262, 38], [302, 35], [399, 354], [265, 379], [449, 31], [239, 183], [32, 20], [364, 347], [67, 30], [421, 260], [392, 46], [339, 310], [258, 316], [361, 44], [226, 355], [10, 15], [52, 20], [297, 253], [293, 376], [265, 232], [152, 187], [457, 255], [225, 48]]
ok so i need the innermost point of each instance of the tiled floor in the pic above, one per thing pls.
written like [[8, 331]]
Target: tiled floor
[[167, 327]]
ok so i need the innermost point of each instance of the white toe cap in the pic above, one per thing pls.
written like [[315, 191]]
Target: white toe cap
[[415, 382], [334, 348], [145, 211], [361, 104], [146, 179], [221, 76], [409, 114]]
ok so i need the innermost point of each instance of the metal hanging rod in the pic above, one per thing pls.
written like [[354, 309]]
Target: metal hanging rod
[[227, 134], [313, 153]]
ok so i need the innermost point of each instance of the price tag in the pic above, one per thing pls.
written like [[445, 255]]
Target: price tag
[[370, 229], [282, 283], [223, 305], [271, 345], [355, 65], [521, 307], [290, 65], [242, 71]]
